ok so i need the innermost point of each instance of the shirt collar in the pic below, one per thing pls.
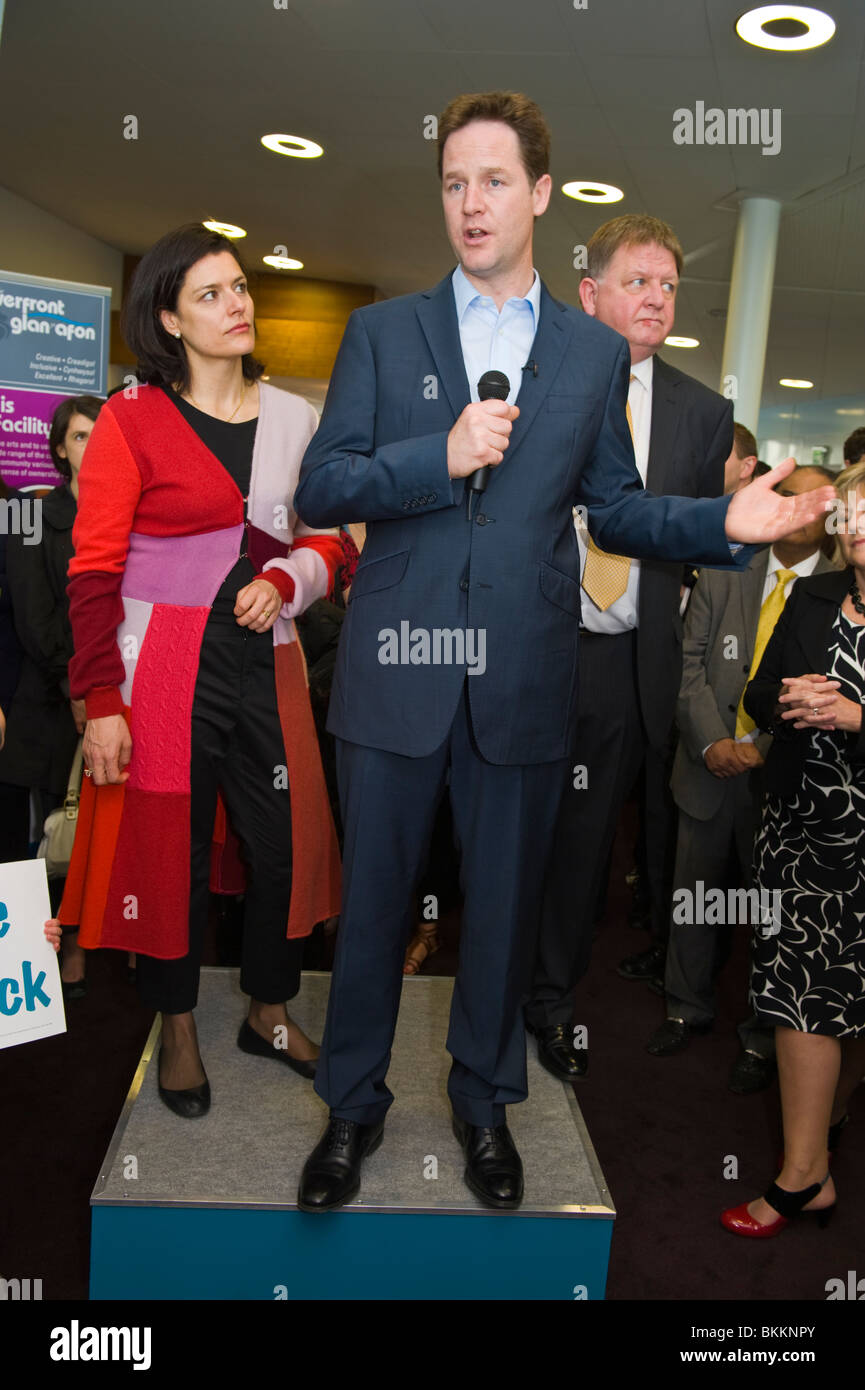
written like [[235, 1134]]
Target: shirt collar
[[803, 569], [643, 372], [465, 294]]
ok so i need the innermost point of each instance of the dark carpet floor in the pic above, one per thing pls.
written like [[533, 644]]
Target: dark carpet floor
[[663, 1131]]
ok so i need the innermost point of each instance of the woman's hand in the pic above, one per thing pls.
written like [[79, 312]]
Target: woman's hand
[[811, 701], [79, 714], [258, 606], [53, 932], [107, 749]]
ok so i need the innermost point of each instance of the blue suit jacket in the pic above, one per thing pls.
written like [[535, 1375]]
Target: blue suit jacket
[[380, 456]]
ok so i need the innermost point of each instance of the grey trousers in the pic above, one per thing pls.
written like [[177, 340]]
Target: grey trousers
[[717, 852]]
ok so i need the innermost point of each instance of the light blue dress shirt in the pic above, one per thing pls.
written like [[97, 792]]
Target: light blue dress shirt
[[493, 341]]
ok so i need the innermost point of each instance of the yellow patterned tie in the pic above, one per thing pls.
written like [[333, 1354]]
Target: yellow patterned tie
[[769, 615], [605, 576]]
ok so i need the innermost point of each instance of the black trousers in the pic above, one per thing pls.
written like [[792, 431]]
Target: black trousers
[[610, 746], [503, 818], [237, 746]]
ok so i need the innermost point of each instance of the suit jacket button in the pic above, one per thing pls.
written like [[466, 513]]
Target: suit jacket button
[[464, 584], [481, 519], [746, 668], [732, 708]]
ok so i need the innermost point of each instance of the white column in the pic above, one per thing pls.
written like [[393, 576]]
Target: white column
[[749, 306]]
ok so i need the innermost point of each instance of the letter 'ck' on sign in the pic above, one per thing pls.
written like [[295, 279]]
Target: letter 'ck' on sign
[[31, 998]]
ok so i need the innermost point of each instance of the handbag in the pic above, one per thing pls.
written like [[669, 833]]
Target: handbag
[[55, 846]]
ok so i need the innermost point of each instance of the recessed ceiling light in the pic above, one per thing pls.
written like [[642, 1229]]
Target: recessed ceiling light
[[850, 412], [294, 145], [681, 342], [785, 415], [283, 262], [799, 384], [789, 28], [590, 191], [225, 229]]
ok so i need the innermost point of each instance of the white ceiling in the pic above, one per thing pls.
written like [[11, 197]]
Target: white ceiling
[[206, 78]]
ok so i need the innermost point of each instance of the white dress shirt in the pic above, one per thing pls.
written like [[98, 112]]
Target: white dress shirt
[[621, 616], [493, 340]]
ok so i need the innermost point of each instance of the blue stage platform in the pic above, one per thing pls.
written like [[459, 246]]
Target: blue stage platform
[[206, 1209]]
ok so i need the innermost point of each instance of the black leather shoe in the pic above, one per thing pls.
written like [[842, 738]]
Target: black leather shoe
[[331, 1174], [74, 989], [673, 1036], [189, 1104], [250, 1041], [644, 965], [494, 1170], [557, 1053], [751, 1073]]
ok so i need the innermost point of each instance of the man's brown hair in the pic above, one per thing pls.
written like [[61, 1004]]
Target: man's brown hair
[[633, 229], [744, 442], [522, 114]]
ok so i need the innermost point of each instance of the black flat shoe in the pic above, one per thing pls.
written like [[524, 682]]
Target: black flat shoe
[[257, 1046], [494, 1170], [674, 1035], [189, 1104], [74, 989], [751, 1073], [557, 1053], [643, 965], [331, 1174]]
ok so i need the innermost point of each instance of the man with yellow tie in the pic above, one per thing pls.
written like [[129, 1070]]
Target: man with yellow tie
[[715, 783], [630, 631]]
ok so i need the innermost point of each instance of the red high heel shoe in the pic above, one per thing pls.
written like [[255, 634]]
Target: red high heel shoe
[[788, 1205]]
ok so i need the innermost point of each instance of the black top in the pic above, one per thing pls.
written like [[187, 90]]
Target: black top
[[799, 643], [232, 444]]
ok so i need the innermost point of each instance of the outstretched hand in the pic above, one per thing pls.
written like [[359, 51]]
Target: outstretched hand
[[758, 516]]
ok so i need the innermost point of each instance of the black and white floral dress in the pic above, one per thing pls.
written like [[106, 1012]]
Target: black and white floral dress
[[808, 969]]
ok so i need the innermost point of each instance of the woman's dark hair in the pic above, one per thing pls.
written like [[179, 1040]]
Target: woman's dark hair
[[157, 281], [73, 405]]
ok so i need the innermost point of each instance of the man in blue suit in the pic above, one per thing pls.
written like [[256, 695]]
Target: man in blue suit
[[401, 433]]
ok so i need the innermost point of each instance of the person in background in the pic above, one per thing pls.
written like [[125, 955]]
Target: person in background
[[854, 448], [739, 468], [808, 973], [715, 782], [13, 800], [630, 636], [189, 568], [44, 723]]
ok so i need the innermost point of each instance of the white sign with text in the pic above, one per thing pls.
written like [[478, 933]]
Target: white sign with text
[[31, 997]]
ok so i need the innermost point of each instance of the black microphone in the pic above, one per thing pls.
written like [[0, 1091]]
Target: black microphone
[[493, 386]]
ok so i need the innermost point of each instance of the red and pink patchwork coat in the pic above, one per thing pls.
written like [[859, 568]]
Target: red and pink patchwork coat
[[159, 527]]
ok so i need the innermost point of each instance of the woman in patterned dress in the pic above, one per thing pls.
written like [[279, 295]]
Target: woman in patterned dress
[[808, 975]]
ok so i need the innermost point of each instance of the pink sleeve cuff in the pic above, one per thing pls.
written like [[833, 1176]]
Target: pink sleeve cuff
[[308, 574]]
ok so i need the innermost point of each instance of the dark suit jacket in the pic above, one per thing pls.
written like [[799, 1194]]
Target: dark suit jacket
[[691, 438], [512, 574], [724, 608], [799, 645]]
